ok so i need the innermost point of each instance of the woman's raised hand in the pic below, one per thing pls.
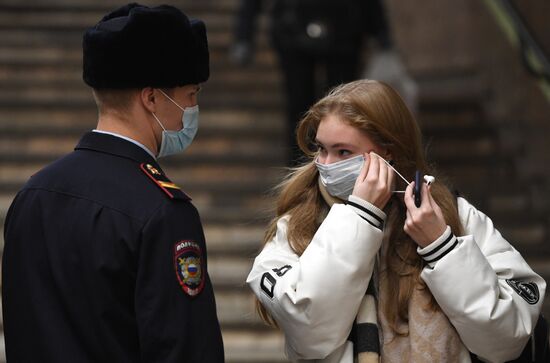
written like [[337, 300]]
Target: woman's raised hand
[[375, 182]]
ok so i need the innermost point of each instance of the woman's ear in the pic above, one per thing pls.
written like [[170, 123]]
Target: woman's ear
[[388, 156], [148, 100]]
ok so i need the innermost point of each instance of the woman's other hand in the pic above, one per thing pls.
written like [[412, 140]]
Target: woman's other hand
[[426, 223]]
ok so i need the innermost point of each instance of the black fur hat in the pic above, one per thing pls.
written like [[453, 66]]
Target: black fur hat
[[137, 46]]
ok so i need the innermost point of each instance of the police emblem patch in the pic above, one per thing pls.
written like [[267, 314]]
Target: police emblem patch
[[189, 267], [529, 291]]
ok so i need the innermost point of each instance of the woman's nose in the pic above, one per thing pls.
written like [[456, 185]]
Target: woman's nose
[[329, 159]]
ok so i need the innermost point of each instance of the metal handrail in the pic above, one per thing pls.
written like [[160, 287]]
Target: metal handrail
[[514, 26]]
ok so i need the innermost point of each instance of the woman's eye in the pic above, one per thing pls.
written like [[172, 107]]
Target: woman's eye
[[344, 152]]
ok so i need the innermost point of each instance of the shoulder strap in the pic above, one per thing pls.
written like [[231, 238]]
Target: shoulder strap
[[161, 180]]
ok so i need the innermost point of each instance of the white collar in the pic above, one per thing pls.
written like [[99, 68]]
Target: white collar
[[127, 139]]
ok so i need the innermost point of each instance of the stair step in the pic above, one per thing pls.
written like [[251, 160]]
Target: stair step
[[236, 311], [451, 89], [103, 6], [70, 121], [82, 98], [431, 116], [254, 154], [66, 45], [242, 239], [253, 347], [462, 131], [51, 127], [48, 78], [265, 157], [208, 143], [42, 58], [5, 202], [17, 57], [73, 19], [450, 146], [229, 272]]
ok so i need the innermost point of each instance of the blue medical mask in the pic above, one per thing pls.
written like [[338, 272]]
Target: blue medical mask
[[174, 142]]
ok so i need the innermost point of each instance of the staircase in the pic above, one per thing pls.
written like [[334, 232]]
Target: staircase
[[477, 158], [238, 154]]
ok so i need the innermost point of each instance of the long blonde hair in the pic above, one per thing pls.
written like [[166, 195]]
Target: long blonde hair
[[376, 109]]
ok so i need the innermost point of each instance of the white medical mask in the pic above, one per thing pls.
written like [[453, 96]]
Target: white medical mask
[[339, 177], [174, 142]]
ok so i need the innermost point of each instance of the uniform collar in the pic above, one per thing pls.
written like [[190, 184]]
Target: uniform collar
[[127, 139], [114, 145]]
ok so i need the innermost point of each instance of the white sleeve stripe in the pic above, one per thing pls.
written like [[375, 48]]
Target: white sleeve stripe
[[369, 206], [435, 250], [373, 224], [449, 248], [365, 210], [356, 205]]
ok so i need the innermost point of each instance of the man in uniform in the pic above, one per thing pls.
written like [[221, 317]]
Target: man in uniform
[[105, 257]]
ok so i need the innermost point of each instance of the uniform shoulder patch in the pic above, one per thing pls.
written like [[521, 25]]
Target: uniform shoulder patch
[[189, 266], [529, 291], [160, 179]]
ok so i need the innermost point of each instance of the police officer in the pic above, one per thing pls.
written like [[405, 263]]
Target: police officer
[[105, 258]]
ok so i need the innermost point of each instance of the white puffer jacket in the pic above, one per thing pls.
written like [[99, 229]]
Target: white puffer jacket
[[484, 286]]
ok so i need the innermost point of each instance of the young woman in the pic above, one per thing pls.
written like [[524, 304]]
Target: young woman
[[353, 269]]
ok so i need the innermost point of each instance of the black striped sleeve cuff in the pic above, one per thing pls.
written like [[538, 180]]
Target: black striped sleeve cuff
[[439, 248], [367, 211], [367, 338]]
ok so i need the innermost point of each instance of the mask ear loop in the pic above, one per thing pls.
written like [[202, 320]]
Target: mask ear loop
[[398, 173], [170, 98], [428, 179], [155, 116], [160, 123], [174, 102]]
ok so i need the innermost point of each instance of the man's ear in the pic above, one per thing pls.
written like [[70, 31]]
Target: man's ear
[[148, 99]]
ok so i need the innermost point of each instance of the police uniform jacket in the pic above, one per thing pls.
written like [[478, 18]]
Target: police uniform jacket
[[105, 261], [482, 284]]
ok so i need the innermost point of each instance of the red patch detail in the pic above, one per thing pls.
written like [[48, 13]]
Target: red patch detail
[[189, 267]]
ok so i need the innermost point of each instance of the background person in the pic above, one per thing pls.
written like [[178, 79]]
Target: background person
[[319, 44]]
